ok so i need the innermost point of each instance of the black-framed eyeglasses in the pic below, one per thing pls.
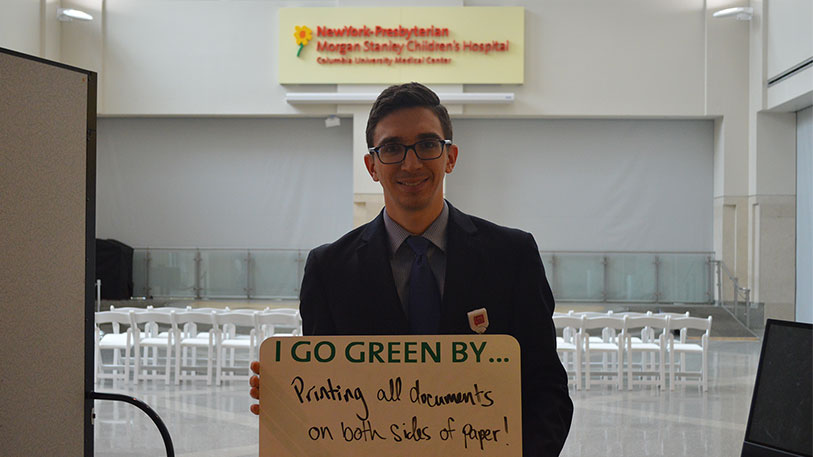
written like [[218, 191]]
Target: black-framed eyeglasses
[[428, 149]]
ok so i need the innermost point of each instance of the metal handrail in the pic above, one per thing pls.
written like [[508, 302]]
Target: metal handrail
[[144, 407], [744, 291], [724, 267]]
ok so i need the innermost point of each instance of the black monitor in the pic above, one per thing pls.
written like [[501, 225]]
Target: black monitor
[[779, 423]]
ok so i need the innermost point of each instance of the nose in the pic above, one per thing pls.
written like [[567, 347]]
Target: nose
[[411, 161]]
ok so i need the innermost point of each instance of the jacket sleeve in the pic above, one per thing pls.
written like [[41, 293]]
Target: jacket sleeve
[[313, 306], [546, 406]]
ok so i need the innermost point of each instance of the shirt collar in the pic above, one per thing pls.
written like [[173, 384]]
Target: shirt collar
[[436, 232]]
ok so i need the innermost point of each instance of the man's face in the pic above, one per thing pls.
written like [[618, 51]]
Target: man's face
[[413, 185]]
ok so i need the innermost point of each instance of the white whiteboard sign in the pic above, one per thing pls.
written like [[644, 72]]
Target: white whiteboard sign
[[443, 395]]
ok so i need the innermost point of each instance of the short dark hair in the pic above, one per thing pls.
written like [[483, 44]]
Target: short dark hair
[[407, 95]]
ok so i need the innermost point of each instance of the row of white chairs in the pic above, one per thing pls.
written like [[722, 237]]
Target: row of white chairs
[[155, 342], [643, 341]]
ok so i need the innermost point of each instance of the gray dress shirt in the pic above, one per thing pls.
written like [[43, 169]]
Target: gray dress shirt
[[401, 255]]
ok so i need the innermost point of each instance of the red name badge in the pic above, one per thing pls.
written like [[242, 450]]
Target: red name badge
[[478, 320]]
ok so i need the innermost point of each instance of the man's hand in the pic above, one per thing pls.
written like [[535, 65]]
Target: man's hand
[[254, 382]]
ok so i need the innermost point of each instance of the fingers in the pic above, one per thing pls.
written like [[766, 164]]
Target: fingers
[[254, 382]]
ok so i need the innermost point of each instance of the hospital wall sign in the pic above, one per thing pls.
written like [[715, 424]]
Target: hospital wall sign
[[453, 45]]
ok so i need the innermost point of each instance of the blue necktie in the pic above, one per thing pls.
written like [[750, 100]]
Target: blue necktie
[[424, 296]]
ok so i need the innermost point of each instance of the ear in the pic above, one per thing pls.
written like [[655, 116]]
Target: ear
[[369, 162], [451, 158]]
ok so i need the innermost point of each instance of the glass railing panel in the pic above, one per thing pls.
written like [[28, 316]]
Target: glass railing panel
[[276, 274], [172, 273], [224, 273], [579, 277], [684, 278], [139, 273], [547, 262], [303, 258], [631, 277]]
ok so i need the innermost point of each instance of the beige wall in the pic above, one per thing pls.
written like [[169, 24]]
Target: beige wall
[[20, 26], [31, 27], [790, 36], [594, 58]]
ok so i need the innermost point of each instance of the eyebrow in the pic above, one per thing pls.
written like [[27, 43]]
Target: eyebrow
[[421, 136]]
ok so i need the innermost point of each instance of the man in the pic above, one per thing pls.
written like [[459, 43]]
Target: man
[[422, 265]]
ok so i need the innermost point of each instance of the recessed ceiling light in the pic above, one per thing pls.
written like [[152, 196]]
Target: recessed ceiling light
[[743, 13], [69, 14]]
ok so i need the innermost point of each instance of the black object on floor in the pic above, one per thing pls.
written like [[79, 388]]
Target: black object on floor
[[114, 267]]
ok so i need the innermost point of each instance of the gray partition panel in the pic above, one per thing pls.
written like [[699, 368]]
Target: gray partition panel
[[47, 123]]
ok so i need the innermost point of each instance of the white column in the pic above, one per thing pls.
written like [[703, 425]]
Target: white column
[[771, 185], [804, 215], [368, 197], [726, 98]]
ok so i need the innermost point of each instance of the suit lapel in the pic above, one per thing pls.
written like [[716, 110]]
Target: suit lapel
[[463, 255], [386, 313]]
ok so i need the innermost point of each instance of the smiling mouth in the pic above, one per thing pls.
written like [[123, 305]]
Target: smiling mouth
[[413, 183]]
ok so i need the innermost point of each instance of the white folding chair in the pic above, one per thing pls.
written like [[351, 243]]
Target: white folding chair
[[115, 341], [637, 339], [126, 309], [606, 334], [570, 342], [228, 335], [286, 310], [248, 311], [152, 336], [612, 343], [187, 342], [206, 309], [169, 309], [205, 334], [682, 347], [295, 331], [673, 315], [291, 311], [277, 323], [231, 330], [148, 309], [652, 343]]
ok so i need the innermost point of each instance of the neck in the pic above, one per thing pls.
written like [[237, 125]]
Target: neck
[[414, 221]]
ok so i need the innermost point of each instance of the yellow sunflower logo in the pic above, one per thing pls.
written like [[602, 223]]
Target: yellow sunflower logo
[[303, 35]]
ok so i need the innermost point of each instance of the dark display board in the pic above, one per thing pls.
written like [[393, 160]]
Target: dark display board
[[781, 408]]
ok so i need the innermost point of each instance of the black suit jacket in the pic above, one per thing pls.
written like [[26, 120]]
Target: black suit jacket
[[348, 289]]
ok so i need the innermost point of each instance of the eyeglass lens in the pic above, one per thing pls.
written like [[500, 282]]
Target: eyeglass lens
[[425, 150]]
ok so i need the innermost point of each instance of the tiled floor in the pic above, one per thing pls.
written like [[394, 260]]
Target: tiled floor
[[685, 422], [215, 421]]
